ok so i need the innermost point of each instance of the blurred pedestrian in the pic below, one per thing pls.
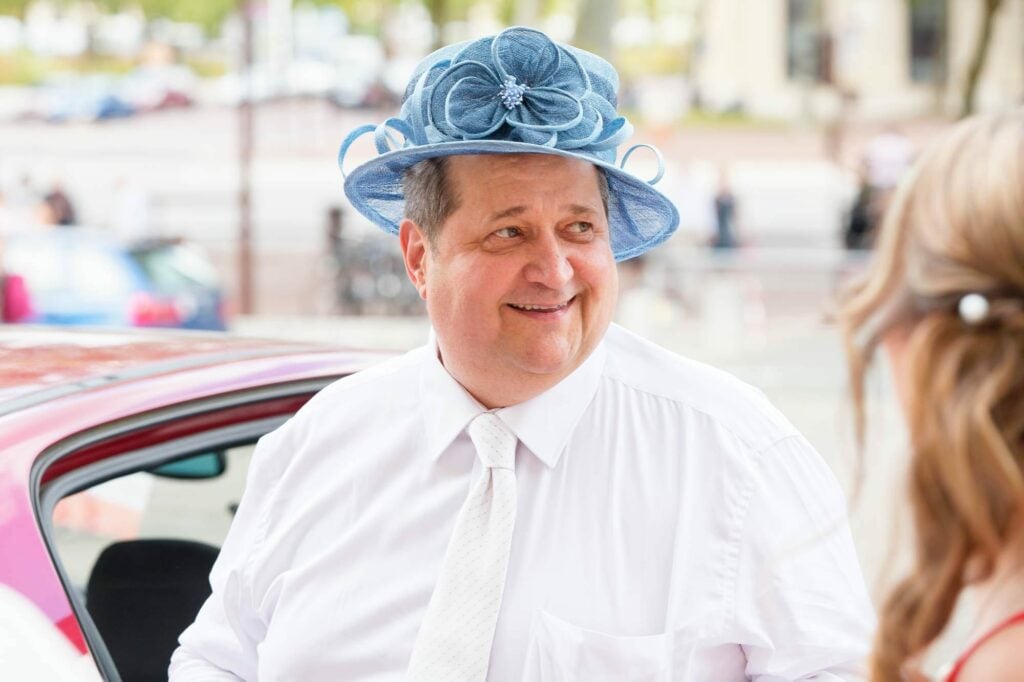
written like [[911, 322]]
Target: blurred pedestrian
[[15, 304], [725, 236], [57, 207], [861, 221], [886, 160], [945, 298]]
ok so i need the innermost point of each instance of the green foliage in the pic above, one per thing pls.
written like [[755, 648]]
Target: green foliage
[[21, 68], [364, 16], [205, 67], [13, 7], [648, 59], [25, 68], [207, 13], [507, 11]]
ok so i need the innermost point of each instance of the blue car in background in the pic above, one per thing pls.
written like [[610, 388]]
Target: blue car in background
[[69, 97], [76, 276]]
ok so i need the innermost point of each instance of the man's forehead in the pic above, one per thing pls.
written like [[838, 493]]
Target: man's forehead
[[485, 180], [518, 161], [486, 172]]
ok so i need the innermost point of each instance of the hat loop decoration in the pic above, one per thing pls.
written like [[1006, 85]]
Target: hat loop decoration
[[517, 92], [657, 156], [383, 138]]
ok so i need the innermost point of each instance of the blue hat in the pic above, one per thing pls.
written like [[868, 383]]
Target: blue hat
[[514, 93]]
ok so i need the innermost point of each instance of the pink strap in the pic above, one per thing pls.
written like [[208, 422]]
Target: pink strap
[[960, 662]]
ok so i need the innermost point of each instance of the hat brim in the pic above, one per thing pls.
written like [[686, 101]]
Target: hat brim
[[640, 217]]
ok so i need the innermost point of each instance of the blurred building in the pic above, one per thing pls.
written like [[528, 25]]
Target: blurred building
[[893, 58]]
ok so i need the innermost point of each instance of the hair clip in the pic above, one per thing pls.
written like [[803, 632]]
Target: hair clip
[[973, 309]]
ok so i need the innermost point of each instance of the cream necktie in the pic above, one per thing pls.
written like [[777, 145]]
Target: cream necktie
[[454, 641]]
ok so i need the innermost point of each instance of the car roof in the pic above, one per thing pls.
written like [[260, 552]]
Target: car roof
[[40, 363]]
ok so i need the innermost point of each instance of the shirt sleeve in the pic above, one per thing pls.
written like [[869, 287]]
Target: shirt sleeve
[[222, 642], [801, 601]]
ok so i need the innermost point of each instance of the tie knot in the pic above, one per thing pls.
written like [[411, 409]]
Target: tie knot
[[494, 441]]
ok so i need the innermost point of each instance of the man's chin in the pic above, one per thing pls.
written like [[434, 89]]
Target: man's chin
[[555, 364]]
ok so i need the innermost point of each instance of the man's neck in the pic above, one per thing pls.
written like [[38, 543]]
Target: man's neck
[[503, 389]]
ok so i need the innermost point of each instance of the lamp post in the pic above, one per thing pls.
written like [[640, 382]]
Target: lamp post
[[245, 166]]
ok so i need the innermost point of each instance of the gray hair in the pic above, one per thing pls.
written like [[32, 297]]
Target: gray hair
[[430, 197]]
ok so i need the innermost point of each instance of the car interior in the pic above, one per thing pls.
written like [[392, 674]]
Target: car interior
[[141, 594], [138, 549]]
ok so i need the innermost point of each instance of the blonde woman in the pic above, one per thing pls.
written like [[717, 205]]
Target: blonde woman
[[945, 299]]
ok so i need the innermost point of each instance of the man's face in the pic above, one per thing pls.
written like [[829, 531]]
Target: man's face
[[520, 282]]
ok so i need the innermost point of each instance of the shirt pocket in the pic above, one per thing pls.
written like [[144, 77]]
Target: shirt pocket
[[561, 652]]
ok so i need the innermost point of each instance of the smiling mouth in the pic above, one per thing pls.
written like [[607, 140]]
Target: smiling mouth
[[542, 308]]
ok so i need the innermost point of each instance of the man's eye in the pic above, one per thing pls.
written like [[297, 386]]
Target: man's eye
[[581, 226], [507, 232]]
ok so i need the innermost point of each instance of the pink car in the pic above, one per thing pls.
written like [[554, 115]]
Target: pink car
[[122, 457]]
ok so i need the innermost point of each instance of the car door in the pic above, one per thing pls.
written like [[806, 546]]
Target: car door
[[133, 513]]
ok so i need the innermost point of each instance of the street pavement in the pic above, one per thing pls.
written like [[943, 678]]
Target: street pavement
[[186, 162]]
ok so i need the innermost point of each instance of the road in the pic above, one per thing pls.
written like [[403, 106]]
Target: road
[[187, 163]]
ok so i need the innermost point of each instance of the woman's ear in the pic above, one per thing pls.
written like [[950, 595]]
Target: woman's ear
[[414, 253]]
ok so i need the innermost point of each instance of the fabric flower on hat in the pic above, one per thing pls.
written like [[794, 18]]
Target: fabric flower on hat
[[519, 85]]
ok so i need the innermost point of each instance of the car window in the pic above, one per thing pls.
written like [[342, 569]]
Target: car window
[[52, 267], [176, 267], [142, 505], [99, 274], [38, 262]]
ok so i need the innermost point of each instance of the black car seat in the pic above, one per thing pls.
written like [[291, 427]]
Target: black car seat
[[141, 595]]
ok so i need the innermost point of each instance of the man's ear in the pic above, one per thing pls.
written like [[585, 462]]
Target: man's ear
[[414, 253]]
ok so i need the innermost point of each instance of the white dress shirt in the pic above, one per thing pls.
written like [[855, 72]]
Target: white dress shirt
[[671, 526]]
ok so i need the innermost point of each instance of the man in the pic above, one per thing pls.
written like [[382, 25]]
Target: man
[[536, 494]]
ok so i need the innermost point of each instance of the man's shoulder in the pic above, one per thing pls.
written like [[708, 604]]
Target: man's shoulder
[[349, 409], [373, 389], [696, 388]]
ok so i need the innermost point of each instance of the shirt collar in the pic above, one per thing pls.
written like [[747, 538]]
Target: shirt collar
[[447, 406], [543, 424]]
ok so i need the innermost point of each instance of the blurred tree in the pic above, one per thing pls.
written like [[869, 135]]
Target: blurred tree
[[439, 16], [518, 12], [442, 12], [14, 7], [189, 10], [594, 22], [693, 46], [929, 47], [366, 16], [207, 13], [977, 64]]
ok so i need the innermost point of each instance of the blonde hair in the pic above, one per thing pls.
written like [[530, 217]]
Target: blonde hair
[[956, 226]]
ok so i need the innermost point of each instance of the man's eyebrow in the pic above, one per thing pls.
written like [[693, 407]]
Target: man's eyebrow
[[508, 212], [575, 209]]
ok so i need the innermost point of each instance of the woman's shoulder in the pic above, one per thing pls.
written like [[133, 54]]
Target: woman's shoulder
[[997, 657]]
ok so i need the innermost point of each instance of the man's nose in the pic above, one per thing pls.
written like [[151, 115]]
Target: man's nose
[[549, 262]]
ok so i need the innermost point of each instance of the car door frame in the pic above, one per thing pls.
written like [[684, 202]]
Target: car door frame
[[161, 435]]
